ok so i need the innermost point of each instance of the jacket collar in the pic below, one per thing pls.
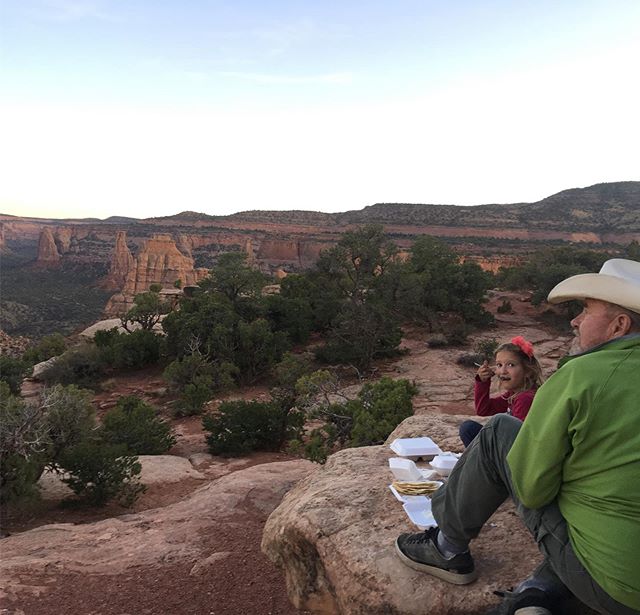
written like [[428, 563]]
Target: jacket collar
[[622, 341]]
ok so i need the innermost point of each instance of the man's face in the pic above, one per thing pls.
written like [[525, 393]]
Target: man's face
[[593, 326]]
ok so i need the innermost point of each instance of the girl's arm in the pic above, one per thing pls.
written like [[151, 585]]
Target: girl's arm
[[486, 405]]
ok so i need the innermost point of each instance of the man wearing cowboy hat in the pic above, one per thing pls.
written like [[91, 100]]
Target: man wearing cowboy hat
[[572, 468]]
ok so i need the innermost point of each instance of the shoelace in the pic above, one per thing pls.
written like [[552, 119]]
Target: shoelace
[[421, 538]]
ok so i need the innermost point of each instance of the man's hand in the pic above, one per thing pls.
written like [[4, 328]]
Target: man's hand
[[485, 372]]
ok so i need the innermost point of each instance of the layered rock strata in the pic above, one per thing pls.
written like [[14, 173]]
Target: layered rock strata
[[122, 263], [158, 262], [47, 250]]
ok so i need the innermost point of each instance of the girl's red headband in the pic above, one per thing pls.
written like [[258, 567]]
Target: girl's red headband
[[525, 346]]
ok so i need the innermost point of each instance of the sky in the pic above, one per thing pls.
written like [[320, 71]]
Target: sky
[[148, 108]]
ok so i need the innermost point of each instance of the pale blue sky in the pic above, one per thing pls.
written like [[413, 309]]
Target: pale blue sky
[[149, 108]]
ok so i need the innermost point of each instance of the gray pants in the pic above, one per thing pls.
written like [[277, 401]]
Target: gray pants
[[481, 482]]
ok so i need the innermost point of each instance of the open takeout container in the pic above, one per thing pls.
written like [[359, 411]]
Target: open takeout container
[[419, 512], [409, 498], [405, 469], [414, 448]]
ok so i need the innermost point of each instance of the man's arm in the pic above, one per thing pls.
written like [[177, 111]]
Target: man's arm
[[538, 453]]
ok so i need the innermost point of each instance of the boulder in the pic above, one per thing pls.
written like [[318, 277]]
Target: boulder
[[156, 469], [166, 469], [40, 368], [116, 323], [333, 535]]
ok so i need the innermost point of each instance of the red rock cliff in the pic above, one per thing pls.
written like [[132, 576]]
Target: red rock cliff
[[121, 264], [158, 262], [47, 250]]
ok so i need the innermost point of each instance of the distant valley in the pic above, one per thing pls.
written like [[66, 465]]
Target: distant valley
[[62, 254]]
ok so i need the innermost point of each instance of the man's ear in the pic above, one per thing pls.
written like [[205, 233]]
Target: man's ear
[[621, 325]]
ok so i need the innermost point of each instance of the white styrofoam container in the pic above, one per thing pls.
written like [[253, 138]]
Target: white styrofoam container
[[444, 463], [419, 512], [415, 447], [404, 498], [404, 469]]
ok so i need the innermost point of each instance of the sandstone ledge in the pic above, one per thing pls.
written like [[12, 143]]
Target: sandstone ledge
[[334, 535], [149, 540]]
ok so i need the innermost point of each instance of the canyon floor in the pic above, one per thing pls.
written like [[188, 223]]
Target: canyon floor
[[246, 581]]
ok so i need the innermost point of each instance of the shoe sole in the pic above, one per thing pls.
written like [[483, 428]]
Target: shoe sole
[[456, 578]]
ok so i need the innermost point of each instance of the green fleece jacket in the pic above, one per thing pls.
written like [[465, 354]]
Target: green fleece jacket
[[580, 445]]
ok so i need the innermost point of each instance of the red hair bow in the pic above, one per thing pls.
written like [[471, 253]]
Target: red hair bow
[[524, 345]]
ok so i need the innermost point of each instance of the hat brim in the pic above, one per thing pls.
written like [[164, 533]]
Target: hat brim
[[597, 286]]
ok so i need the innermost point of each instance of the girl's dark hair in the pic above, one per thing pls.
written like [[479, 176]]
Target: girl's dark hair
[[532, 369]]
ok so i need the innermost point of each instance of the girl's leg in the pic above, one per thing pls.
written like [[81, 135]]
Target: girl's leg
[[468, 431]]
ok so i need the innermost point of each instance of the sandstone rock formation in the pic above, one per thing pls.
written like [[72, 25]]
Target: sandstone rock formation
[[158, 262], [48, 254], [333, 536], [121, 264], [150, 540], [298, 253], [184, 244]]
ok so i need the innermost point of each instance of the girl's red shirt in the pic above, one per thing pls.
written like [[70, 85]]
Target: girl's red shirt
[[488, 406]]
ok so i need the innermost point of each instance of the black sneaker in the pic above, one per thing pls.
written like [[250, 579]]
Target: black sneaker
[[420, 552], [531, 601]]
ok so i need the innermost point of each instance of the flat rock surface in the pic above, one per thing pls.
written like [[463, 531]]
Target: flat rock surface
[[176, 553]]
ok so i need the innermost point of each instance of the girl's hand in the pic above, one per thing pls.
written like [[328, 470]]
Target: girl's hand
[[485, 372]]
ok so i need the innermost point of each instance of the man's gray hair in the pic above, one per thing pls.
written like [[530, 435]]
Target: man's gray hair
[[633, 316]]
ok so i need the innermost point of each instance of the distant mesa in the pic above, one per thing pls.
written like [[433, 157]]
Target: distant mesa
[[162, 250]]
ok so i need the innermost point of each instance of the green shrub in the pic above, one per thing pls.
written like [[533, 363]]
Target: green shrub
[[70, 418], [49, 346], [18, 477], [437, 340], [136, 425], [505, 307], [128, 350], [60, 432], [81, 366], [239, 427], [23, 444], [12, 371], [197, 380], [383, 406], [369, 419], [98, 472], [486, 348], [457, 333], [319, 444]]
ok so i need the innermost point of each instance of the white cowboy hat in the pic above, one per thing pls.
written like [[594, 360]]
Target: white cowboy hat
[[618, 282]]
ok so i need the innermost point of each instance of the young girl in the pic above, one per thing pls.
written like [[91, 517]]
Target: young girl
[[520, 376]]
